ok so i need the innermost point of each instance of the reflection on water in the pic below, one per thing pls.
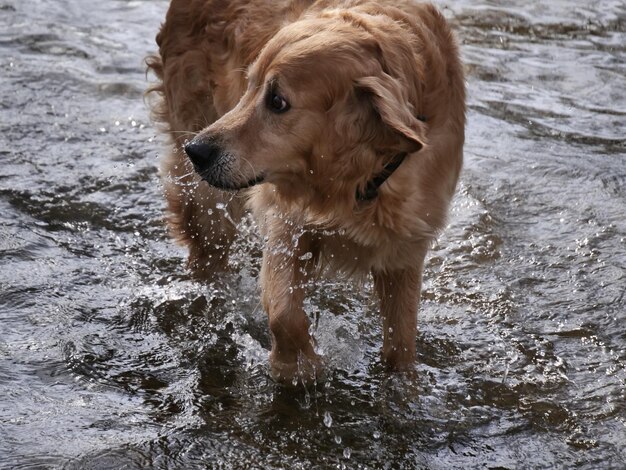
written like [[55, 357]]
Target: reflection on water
[[111, 356]]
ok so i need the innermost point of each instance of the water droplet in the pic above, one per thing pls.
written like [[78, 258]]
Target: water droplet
[[328, 419], [376, 435], [347, 452], [338, 439], [306, 256]]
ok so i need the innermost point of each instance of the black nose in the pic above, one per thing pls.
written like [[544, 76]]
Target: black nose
[[203, 154]]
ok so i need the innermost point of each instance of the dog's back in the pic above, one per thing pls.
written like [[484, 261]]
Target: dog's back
[[205, 47]]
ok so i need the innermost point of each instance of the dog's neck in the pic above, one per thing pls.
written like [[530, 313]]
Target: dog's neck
[[371, 188]]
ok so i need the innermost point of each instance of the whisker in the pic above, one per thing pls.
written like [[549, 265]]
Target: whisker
[[183, 132], [249, 163]]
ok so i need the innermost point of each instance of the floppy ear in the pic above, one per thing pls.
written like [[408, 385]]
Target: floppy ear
[[391, 103]]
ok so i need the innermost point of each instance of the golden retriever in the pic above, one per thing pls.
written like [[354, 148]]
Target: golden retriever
[[344, 118]]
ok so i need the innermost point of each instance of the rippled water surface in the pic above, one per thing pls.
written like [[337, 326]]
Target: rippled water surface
[[111, 356]]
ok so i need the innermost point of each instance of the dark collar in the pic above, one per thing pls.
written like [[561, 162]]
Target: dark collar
[[371, 188]]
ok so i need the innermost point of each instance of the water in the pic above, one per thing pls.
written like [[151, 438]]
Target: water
[[112, 357]]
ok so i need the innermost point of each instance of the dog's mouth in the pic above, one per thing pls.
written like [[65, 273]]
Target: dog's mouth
[[215, 166], [229, 185]]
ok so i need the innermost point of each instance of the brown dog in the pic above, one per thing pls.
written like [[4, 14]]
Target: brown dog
[[346, 116]]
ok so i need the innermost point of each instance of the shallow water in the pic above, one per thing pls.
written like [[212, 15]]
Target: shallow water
[[112, 357]]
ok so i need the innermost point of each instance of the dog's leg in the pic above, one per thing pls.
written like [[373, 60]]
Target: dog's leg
[[200, 217], [288, 261], [399, 293]]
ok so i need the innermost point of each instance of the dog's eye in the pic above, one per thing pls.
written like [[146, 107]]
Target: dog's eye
[[277, 103]]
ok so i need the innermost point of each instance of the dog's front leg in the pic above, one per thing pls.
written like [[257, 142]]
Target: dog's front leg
[[288, 260], [399, 293]]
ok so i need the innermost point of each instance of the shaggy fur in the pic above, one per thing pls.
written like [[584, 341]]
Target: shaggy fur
[[355, 78]]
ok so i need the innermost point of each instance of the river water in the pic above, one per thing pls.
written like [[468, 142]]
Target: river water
[[111, 356]]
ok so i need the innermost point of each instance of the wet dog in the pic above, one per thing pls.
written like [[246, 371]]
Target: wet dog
[[341, 123]]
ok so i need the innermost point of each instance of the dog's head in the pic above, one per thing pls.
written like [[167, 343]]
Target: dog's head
[[322, 105]]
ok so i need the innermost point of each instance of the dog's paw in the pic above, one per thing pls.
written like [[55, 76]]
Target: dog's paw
[[305, 371]]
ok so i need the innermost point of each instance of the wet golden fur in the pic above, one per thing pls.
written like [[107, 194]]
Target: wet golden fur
[[357, 75]]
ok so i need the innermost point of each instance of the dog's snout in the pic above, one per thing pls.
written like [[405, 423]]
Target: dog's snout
[[203, 154]]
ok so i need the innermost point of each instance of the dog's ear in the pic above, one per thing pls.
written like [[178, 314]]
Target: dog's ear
[[390, 102]]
